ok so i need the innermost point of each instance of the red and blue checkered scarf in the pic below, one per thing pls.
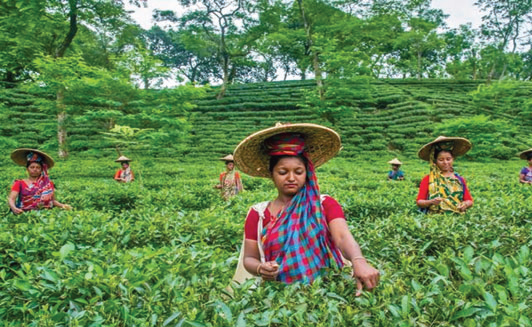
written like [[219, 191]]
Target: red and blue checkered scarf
[[298, 238]]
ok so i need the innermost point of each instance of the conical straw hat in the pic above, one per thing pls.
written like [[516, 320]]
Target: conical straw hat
[[228, 157], [395, 161], [123, 159], [460, 147], [19, 156], [321, 144], [524, 154]]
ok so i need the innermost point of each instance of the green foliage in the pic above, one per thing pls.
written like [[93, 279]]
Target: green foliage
[[164, 254], [341, 98], [491, 138], [503, 97]]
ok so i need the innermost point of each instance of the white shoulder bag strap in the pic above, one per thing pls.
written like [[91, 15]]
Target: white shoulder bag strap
[[241, 274]]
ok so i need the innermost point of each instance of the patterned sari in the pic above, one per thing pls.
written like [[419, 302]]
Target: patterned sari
[[231, 184], [126, 175], [298, 238], [450, 189], [39, 194]]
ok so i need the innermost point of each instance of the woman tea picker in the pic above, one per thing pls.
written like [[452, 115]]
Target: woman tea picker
[[230, 182], [299, 234], [124, 174], [443, 190], [37, 191], [525, 176]]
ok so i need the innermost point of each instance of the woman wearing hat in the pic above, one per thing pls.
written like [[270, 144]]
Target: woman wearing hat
[[443, 190], [300, 233], [525, 176], [396, 174], [230, 182], [37, 191], [124, 174]]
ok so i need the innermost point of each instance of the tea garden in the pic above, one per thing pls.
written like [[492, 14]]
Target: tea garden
[[162, 250]]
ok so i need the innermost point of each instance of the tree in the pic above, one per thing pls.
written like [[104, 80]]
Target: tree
[[419, 49], [502, 25], [188, 51], [80, 86], [142, 65], [20, 39], [218, 21], [462, 52]]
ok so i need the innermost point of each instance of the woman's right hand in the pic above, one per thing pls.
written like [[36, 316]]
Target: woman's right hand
[[17, 211], [269, 270], [436, 201]]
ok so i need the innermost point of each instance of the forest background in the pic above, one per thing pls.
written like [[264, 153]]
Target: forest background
[[91, 72]]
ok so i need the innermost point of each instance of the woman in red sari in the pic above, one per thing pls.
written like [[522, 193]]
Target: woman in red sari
[[37, 191]]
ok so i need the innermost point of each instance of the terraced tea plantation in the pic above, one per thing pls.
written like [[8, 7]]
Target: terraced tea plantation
[[161, 251], [387, 115]]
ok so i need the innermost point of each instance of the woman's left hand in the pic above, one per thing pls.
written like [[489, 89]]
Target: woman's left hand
[[365, 275], [464, 206], [66, 207]]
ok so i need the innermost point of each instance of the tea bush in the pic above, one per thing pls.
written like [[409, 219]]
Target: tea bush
[[161, 251]]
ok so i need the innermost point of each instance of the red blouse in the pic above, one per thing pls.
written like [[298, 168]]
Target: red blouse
[[331, 209], [424, 190]]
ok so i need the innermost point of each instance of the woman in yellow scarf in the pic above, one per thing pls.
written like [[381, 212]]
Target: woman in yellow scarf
[[443, 190]]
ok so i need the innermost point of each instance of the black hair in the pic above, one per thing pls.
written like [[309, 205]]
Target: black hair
[[529, 156], [438, 151], [229, 161], [274, 160], [30, 162]]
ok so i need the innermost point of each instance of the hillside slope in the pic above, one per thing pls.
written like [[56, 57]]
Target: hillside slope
[[392, 115], [398, 115]]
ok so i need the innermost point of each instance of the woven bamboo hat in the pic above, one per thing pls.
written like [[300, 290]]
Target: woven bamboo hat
[[123, 159], [459, 147], [228, 157], [20, 157], [395, 161], [321, 144], [524, 154]]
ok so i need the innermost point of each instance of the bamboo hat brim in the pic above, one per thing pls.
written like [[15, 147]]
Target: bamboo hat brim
[[321, 144], [19, 156], [524, 154], [460, 147], [123, 159], [228, 157], [395, 161]]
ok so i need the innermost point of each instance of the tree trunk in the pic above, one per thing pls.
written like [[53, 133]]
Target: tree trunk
[[419, 65], [72, 30], [60, 103], [503, 71], [61, 128], [225, 67], [315, 58]]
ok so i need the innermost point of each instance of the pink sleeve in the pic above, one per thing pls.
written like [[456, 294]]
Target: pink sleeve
[[250, 227], [423, 189], [332, 209]]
